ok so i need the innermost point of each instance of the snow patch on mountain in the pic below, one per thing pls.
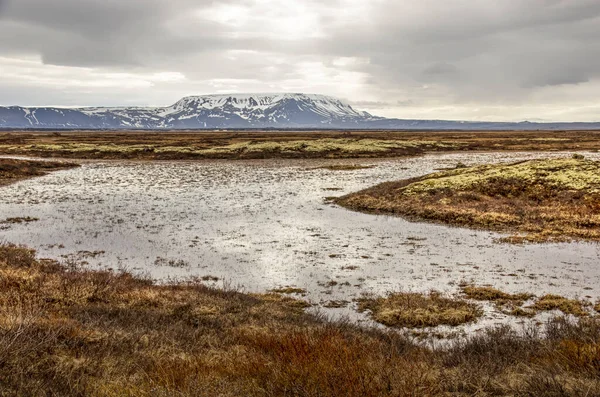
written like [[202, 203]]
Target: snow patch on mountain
[[280, 110]]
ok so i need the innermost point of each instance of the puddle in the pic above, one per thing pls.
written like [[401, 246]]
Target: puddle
[[259, 225]]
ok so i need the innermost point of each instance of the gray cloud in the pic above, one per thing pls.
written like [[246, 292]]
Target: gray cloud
[[397, 56]]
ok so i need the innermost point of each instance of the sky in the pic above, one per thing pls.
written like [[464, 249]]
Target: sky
[[508, 60]]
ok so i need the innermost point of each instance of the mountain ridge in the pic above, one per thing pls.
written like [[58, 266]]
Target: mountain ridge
[[243, 111]]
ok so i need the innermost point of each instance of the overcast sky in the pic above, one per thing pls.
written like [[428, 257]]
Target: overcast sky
[[442, 59]]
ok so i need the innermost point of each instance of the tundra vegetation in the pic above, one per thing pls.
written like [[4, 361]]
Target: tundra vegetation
[[65, 330], [345, 167], [512, 304], [535, 201], [15, 170], [174, 145], [415, 310]]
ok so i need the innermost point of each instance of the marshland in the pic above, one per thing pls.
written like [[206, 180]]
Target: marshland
[[319, 264]]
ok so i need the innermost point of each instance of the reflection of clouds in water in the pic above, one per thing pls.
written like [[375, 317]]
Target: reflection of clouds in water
[[263, 224]]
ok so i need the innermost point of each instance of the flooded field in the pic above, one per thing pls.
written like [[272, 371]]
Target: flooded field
[[259, 225]]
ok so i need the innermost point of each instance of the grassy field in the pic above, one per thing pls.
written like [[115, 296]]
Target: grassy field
[[537, 200], [175, 145], [65, 331]]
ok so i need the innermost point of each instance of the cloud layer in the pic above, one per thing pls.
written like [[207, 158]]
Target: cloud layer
[[454, 59]]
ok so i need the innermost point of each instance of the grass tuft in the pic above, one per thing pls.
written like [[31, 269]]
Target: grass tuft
[[345, 167], [289, 290], [410, 309], [557, 302], [486, 293]]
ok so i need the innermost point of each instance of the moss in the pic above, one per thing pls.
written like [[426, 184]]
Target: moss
[[350, 146], [328, 145], [575, 174], [541, 200]]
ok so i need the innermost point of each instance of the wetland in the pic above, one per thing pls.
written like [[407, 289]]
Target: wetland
[[247, 277]]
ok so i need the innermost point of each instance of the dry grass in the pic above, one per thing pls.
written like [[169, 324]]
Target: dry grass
[[345, 167], [511, 303], [18, 220], [565, 305], [15, 170], [66, 331], [411, 309], [289, 290], [174, 145], [538, 200], [507, 303], [487, 293]]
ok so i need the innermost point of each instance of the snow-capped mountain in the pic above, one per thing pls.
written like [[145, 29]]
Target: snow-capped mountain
[[242, 111], [208, 111]]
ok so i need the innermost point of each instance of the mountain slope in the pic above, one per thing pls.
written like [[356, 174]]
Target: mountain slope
[[242, 111], [209, 111]]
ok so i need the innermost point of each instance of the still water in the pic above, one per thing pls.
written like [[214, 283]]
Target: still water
[[258, 225]]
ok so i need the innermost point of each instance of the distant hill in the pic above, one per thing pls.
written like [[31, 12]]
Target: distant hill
[[243, 111]]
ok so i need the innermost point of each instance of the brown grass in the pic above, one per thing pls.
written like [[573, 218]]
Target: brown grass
[[345, 167], [18, 220], [66, 331], [411, 309], [511, 303], [15, 170], [538, 200], [557, 302], [289, 290], [486, 293], [173, 145]]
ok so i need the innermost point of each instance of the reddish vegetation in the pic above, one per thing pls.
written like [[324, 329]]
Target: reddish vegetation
[[69, 331]]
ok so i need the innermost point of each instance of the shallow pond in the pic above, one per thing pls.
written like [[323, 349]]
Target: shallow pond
[[259, 225]]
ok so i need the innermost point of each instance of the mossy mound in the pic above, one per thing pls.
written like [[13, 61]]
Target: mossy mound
[[538, 200]]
